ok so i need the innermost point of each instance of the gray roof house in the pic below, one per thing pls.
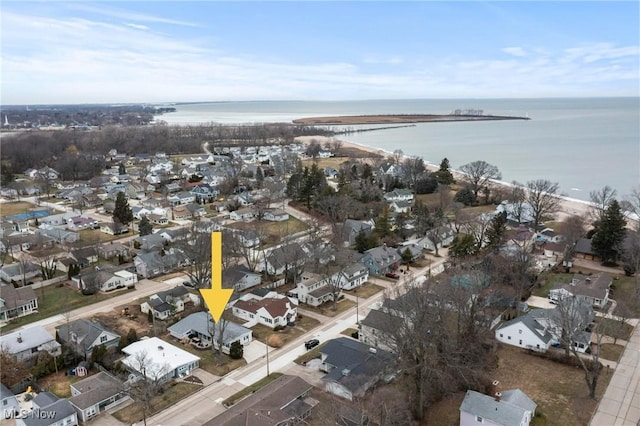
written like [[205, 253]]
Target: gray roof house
[[285, 401], [96, 393], [8, 402], [508, 408], [351, 228], [240, 278], [16, 302], [18, 272], [49, 410], [83, 335], [25, 344], [353, 367], [381, 260], [593, 289], [198, 327]]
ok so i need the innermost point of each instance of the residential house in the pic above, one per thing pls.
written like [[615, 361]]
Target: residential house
[[539, 329], [196, 210], [26, 344], [285, 259], [439, 237], [204, 193], [374, 329], [181, 198], [353, 276], [104, 280], [517, 213], [414, 250], [113, 228], [8, 402], [95, 394], [17, 302], [199, 327], [548, 235], [399, 195], [166, 303], [84, 335], [113, 250], [593, 289], [506, 408], [85, 255], [285, 401], [272, 310], [59, 235], [19, 272], [353, 367], [181, 212], [78, 223], [152, 264], [49, 410], [240, 278], [275, 215], [245, 213], [314, 289], [158, 361], [400, 206], [151, 242], [381, 260], [351, 228]]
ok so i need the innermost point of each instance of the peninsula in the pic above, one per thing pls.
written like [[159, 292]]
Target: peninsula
[[399, 118]]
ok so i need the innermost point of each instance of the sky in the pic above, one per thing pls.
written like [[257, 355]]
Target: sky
[[70, 52]]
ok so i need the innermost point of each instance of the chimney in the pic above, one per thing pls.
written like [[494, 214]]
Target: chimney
[[497, 396], [19, 338], [493, 387]]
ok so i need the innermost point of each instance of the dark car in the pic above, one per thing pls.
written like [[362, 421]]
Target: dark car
[[310, 344], [188, 284], [392, 275]]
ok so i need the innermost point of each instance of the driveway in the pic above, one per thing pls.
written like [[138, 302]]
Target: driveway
[[540, 302], [255, 350]]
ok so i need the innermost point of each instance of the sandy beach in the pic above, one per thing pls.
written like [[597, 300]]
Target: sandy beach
[[569, 206]]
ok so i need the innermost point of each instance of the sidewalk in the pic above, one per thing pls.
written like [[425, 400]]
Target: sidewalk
[[620, 404]]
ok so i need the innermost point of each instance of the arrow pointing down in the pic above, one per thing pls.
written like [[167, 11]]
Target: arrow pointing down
[[216, 298]]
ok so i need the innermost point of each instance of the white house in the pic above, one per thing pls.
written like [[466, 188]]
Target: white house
[[105, 280], [166, 303], [353, 276], [17, 302], [398, 195], [275, 215], [240, 278], [158, 361], [8, 402], [314, 289], [27, 343], [507, 408], [593, 289], [273, 310], [242, 214], [48, 409]]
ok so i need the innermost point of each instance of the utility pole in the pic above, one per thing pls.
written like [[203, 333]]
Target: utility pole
[[267, 345]]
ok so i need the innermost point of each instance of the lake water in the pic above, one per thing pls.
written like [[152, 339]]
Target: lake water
[[583, 144]]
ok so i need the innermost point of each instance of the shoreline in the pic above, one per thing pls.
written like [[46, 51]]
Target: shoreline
[[568, 206]]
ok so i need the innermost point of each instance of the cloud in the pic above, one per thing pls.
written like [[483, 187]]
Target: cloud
[[127, 15], [515, 51], [137, 26]]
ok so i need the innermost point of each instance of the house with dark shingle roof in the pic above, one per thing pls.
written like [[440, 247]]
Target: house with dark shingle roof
[[285, 401], [240, 278], [374, 329], [353, 367], [83, 335], [49, 410], [507, 408], [96, 393], [272, 310], [381, 260], [593, 289], [17, 302]]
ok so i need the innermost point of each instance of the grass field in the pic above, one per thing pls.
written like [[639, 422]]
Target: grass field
[[274, 231], [327, 307], [610, 351], [15, 207], [559, 390], [176, 392], [54, 300], [365, 291]]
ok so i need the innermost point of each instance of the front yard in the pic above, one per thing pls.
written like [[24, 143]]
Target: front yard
[[54, 300], [274, 231], [559, 390], [327, 308]]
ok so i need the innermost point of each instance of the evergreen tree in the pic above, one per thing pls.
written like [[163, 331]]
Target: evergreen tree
[[121, 169], [608, 238], [145, 227], [236, 351], [463, 245], [444, 175], [383, 225], [496, 231], [465, 196], [122, 212]]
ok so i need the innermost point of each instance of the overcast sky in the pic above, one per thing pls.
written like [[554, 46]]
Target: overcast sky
[[122, 51]]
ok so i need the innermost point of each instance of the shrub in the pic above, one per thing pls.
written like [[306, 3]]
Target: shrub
[[274, 341], [236, 351]]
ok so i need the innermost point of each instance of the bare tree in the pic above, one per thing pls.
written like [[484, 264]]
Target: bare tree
[[631, 203], [543, 197], [600, 200], [412, 169], [198, 250], [572, 228], [144, 387], [517, 197], [478, 174], [573, 319]]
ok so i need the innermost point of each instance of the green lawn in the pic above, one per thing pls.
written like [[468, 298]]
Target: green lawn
[[614, 328], [309, 355], [250, 389], [366, 290], [327, 307], [550, 281], [175, 392], [54, 300]]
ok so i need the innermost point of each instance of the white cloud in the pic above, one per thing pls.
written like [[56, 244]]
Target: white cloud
[[137, 26], [515, 51]]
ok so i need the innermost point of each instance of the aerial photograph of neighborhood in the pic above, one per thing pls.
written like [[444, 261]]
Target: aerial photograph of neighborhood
[[316, 213]]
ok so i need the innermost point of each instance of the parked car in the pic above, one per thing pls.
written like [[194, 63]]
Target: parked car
[[392, 275], [310, 344], [188, 284]]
